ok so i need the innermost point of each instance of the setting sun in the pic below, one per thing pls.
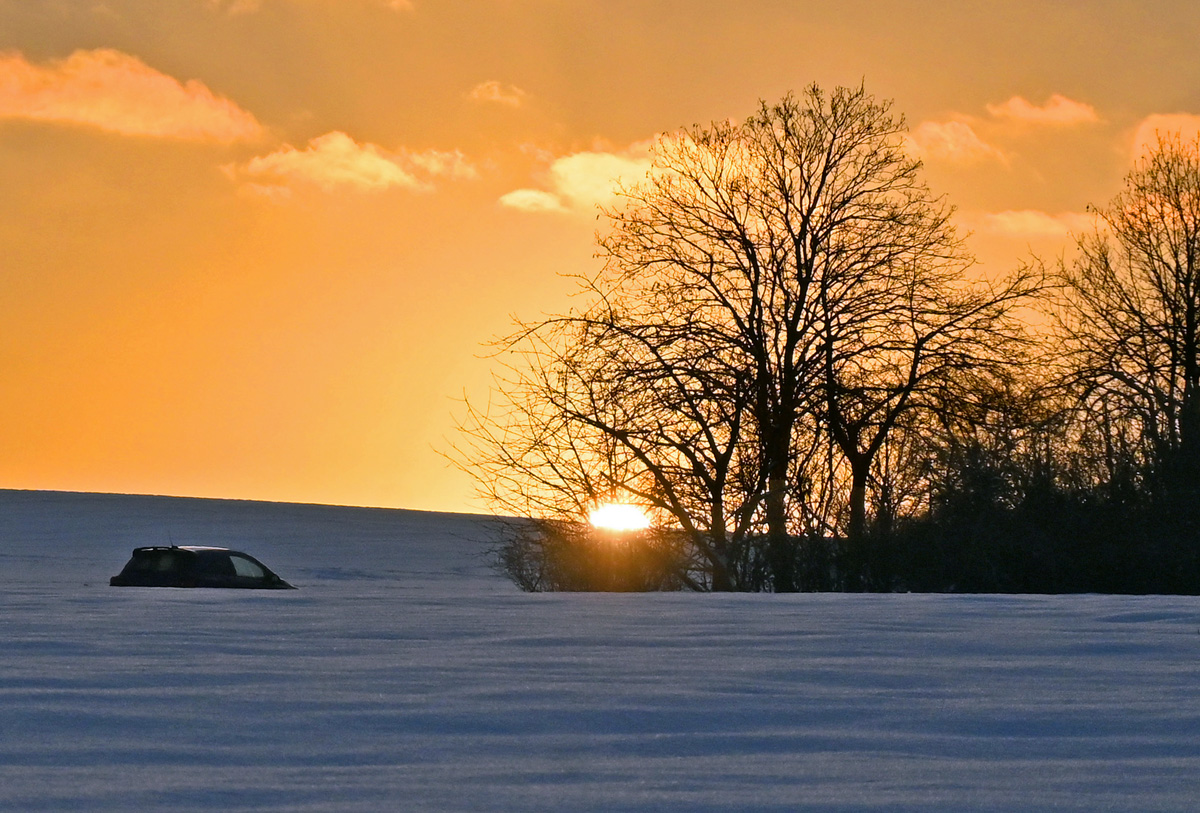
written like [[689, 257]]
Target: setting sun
[[619, 517]]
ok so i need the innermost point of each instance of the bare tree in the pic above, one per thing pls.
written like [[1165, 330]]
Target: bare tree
[[603, 407], [909, 338], [1130, 319], [776, 296]]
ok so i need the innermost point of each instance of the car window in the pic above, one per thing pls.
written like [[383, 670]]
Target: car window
[[161, 561], [166, 561], [141, 561], [216, 563], [245, 567]]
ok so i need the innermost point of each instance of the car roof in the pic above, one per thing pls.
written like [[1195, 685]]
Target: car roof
[[192, 548]]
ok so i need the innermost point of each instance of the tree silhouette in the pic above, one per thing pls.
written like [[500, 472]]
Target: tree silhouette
[[778, 296], [1130, 318]]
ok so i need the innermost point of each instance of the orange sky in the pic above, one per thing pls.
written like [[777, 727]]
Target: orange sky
[[251, 248]]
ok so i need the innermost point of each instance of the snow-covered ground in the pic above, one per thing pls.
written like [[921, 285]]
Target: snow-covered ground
[[405, 675]]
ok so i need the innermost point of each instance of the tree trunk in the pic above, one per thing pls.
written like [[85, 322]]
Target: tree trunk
[[718, 539], [721, 583], [1187, 463], [858, 501], [858, 559], [779, 547]]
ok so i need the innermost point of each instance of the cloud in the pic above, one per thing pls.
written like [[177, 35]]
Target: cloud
[[234, 7], [533, 200], [336, 161], [440, 163], [119, 93], [1033, 224], [1057, 111], [589, 179], [582, 181], [1145, 138], [494, 92], [958, 141], [954, 141]]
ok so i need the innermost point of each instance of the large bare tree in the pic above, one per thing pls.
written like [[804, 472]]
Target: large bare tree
[[776, 295]]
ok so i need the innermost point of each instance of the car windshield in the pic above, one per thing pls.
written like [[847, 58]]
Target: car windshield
[[244, 567]]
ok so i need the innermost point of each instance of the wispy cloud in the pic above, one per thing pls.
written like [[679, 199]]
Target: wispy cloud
[[584, 180], [1033, 223], [494, 92], [954, 141], [1185, 126], [336, 161], [533, 200], [119, 93], [957, 139], [235, 7], [1057, 111]]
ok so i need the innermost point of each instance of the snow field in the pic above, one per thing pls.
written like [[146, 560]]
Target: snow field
[[405, 675]]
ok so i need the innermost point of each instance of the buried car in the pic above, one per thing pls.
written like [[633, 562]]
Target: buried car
[[196, 566]]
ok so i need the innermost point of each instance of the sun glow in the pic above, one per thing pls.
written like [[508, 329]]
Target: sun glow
[[619, 517]]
